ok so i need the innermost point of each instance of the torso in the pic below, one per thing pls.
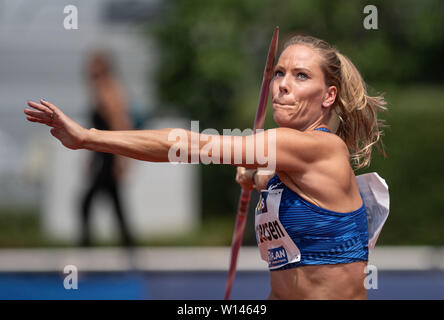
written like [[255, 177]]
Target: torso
[[338, 281], [330, 185]]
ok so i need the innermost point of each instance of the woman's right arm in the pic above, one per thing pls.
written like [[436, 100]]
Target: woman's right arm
[[166, 145], [280, 149], [149, 145]]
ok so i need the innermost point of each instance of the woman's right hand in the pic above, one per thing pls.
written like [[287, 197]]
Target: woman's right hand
[[70, 134], [244, 177]]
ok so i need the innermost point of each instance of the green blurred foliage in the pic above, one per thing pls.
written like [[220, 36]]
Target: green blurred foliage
[[20, 227], [212, 59]]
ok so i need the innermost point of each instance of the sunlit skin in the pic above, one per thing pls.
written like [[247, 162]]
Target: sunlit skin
[[314, 164], [301, 100]]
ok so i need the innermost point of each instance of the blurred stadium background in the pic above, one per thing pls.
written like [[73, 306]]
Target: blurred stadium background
[[202, 60]]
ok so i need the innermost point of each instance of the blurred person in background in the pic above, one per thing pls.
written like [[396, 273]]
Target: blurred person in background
[[312, 207], [106, 171]]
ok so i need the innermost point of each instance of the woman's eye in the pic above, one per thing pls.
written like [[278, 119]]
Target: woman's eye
[[278, 73], [302, 75]]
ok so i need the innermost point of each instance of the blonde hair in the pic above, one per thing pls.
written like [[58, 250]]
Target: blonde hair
[[356, 111]]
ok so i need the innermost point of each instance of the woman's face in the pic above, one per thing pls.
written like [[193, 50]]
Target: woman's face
[[300, 96]]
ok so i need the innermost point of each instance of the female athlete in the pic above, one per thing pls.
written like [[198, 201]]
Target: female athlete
[[311, 223]]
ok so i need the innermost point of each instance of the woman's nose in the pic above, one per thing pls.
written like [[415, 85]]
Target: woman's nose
[[283, 85]]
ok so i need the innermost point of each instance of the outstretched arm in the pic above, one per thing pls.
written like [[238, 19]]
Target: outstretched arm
[[147, 145], [281, 148]]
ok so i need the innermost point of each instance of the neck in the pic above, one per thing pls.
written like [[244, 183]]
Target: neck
[[320, 123]]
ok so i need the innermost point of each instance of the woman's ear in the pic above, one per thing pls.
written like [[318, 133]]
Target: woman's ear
[[330, 97]]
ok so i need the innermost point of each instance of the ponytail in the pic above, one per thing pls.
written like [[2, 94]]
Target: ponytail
[[359, 125]]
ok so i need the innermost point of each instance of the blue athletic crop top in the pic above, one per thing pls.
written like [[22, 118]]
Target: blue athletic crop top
[[322, 236]]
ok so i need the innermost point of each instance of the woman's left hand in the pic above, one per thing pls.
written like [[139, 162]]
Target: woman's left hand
[[244, 177]]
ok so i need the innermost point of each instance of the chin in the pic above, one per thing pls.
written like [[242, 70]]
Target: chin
[[283, 121]]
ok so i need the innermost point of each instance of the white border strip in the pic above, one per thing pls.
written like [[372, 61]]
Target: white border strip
[[191, 259]]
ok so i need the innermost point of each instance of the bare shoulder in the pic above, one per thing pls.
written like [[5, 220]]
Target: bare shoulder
[[303, 151], [331, 142], [315, 135], [335, 157], [310, 146]]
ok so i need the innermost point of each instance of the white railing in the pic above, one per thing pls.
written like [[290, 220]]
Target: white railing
[[398, 258]]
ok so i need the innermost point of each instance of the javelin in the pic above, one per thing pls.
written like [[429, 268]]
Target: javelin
[[244, 201]]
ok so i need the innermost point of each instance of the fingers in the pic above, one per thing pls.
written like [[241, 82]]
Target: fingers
[[52, 107], [39, 107], [244, 177], [38, 114], [46, 107], [239, 172], [45, 112], [33, 119]]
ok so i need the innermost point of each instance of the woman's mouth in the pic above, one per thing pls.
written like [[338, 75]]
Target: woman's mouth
[[283, 106]]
